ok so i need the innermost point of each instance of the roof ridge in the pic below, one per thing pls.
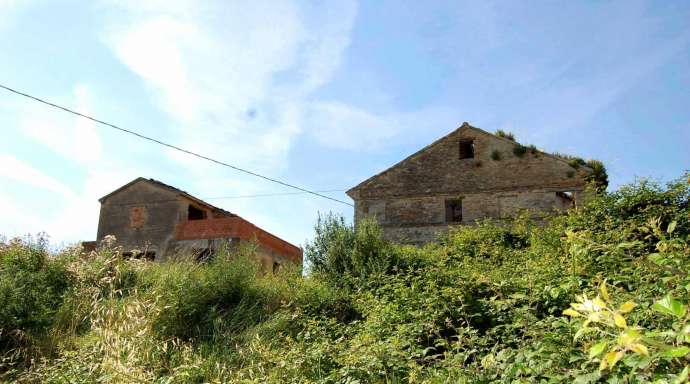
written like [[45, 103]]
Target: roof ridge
[[169, 187], [464, 125]]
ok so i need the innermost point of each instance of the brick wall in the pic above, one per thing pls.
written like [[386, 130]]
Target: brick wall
[[236, 227]]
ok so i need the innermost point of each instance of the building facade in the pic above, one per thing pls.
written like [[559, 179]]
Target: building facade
[[159, 222], [466, 176]]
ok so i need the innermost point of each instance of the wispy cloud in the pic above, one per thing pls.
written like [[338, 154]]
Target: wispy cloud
[[72, 137], [8, 8], [233, 78], [20, 171]]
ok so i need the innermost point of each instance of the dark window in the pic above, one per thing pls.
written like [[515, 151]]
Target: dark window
[[467, 149], [567, 198], [276, 266], [194, 213], [454, 211], [203, 254], [148, 255]]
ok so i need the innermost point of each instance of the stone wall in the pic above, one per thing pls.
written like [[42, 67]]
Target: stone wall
[[139, 225], [409, 199], [420, 219]]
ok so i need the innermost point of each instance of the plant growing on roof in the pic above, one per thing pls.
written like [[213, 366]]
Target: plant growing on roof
[[505, 135], [519, 150], [599, 177]]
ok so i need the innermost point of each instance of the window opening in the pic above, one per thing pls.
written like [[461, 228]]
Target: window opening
[[276, 266], [194, 213], [567, 197], [454, 211], [466, 149], [203, 255], [138, 255]]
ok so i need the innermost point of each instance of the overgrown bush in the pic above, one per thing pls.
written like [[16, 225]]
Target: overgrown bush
[[506, 135], [519, 150], [32, 288], [599, 294], [338, 249]]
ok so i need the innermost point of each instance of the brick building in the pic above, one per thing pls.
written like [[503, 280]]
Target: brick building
[[154, 220], [468, 175]]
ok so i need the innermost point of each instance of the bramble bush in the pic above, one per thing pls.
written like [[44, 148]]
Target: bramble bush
[[600, 294]]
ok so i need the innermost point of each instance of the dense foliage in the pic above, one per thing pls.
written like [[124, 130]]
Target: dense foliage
[[596, 295]]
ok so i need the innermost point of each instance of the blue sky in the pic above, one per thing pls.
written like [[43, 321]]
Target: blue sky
[[320, 95]]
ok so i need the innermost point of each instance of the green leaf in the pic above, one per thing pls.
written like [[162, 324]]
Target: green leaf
[[597, 349], [627, 307], [670, 306], [619, 321], [671, 227], [656, 258], [675, 352], [683, 376]]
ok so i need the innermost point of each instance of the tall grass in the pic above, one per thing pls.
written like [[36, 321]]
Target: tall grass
[[484, 304]]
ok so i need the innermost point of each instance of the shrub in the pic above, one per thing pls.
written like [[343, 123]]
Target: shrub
[[496, 155], [339, 249], [32, 288], [519, 150], [576, 162], [599, 177], [505, 135], [594, 294]]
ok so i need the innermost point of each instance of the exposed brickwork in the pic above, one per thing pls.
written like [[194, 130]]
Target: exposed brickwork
[[149, 215], [235, 227], [409, 199]]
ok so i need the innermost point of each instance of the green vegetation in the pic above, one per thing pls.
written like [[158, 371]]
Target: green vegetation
[[519, 150], [505, 135], [600, 294], [598, 176], [496, 155]]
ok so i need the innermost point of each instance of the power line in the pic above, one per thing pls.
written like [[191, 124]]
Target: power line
[[139, 135], [269, 194], [227, 197]]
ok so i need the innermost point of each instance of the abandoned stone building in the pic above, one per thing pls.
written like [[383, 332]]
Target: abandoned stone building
[[466, 176], [153, 220]]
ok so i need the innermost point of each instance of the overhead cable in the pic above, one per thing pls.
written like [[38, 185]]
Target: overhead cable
[[191, 153]]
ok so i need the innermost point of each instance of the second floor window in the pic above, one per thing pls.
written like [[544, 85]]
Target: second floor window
[[466, 149]]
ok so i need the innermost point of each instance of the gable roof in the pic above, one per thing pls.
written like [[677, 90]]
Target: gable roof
[[169, 188], [465, 126]]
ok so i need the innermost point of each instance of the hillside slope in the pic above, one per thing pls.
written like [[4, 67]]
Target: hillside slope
[[599, 294]]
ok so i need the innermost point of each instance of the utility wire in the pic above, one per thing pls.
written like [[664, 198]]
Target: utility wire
[[228, 197], [268, 194], [139, 135]]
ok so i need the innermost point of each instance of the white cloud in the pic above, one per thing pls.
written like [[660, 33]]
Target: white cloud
[[343, 126], [339, 125], [8, 8], [72, 137], [17, 170], [234, 77]]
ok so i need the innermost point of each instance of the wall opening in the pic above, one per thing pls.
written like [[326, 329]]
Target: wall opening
[[194, 213], [276, 266], [466, 149], [566, 198], [203, 254], [454, 211], [138, 255]]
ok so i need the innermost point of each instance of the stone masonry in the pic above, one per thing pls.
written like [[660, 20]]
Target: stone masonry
[[153, 220], [466, 176]]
